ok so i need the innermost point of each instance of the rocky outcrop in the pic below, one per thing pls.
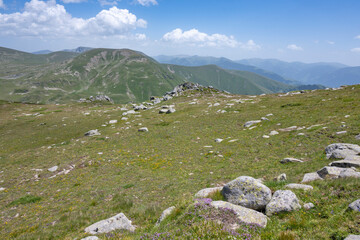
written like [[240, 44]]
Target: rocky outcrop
[[341, 150], [349, 173], [245, 215], [330, 172], [282, 201], [247, 192], [98, 98], [119, 221]]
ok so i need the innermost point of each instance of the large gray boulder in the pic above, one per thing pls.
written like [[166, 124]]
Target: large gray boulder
[[330, 172], [299, 186], [309, 177], [349, 161], [355, 205], [352, 237], [282, 201], [247, 192], [164, 214], [119, 221], [341, 150], [245, 215], [204, 193], [348, 172]]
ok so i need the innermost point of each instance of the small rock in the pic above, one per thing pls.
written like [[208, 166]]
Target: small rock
[[299, 186], [309, 177], [171, 110], [250, 123], [355, 205], [53, 169], [216, 104], [289, 129], [143, 129], [219, 140], [282, 201], [308, 206], [287, 160], [90, 238], [341, 132], [270, 114], [119, 221], [2, 189], [330, 172], [245, 215], [113, 121], [264, 119], [301, 134], [204, 193], [92, 133], [164, 214], [352, 237], [163, 110], [272, 133], [266, 136], [281, 177], [357, 137]]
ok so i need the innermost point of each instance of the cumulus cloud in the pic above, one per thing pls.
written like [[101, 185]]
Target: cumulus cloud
[[147, 2], [356, 50], [2, 5], [72, 1], [294, 47], [357, 37], [48, 19], [106, 2]]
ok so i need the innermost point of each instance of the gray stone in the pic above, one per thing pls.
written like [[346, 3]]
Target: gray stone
[[341, 150], [171, 110], [247, 192], [289, 129], [204, 193], [341, 132], [308, 206], [90, 238], [164, 214], [348, 172], [245, 215], [250, 123], [219, 140], [113, 121], [355, 205], [264, 119], [2, 189], [53, 169], [357, 137], [287, 160], [281, 177], [272, 133], [309, 177], [330, 172], [352, 237], [92, 133], [163, 110], [119, 221], [282, 201], [143, 129], [349, 161], [299, 186]]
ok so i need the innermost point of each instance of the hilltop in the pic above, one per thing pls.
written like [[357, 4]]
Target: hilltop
[[140, 174]]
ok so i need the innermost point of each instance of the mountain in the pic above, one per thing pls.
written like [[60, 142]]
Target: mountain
[[237, 82], [307, 73], [42, 52], [124, 75], [223, 63], [342, 76], [78, 49]]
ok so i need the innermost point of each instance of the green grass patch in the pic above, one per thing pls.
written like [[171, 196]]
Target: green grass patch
[[25, 200]]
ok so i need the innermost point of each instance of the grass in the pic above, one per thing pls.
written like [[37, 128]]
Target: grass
[[141, 174], [25, 200]]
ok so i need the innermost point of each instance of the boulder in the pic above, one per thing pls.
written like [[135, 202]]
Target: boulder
[[282, 201], [53, 169], [92, 133], [164, 214], [119, 221], [309, 177], [348, 172], [349, 161], [204, 193], [341, 150], [163, 110], [245, 215], [352, 237], [247, 192], [330, 172], [355, 205], [250, 123], [143, 129], [287, 160], [299, 186], [308, 206]]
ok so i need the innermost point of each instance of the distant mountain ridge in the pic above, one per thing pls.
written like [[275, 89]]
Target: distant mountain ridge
[[75, 50]]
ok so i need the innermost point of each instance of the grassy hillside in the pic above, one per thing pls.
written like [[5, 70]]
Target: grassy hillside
[[141, 174]]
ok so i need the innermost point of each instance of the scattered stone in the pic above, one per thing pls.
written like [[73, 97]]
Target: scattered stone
[[264, 119], [272, 133], [348, 172], [289, 129], [164, 214], [270, 114], [352, 237], [90, 238], [216, 104], [2, 189], [124, 118], [287, 160], [163, 110], [219, 140], [282, 201], [247, 192], [250, 123], [204, 193], [341, 150], [309, 177], [341, 132], [308, 206], [349, 161], [357, 137], [171, 110], [143, 129], [330, 172], [53, 169], [233, 140], [92, 133], [301, 134], [266, 136], [113, 121], [299, 186], [244, 214], [281, 177], [355, 205], [119, 221]]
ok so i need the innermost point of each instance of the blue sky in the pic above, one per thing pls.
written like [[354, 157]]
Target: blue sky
[[290, 30]]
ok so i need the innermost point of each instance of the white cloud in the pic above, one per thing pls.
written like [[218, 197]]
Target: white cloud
[[106, 2], [73, 1], [196, 38], [331, 42], [294, 47], [2, 5], [357, 37], [147, 2], [356, 50], [48, 19], [251, 45]]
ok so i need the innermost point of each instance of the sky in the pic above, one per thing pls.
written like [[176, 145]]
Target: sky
[[289, 30]]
